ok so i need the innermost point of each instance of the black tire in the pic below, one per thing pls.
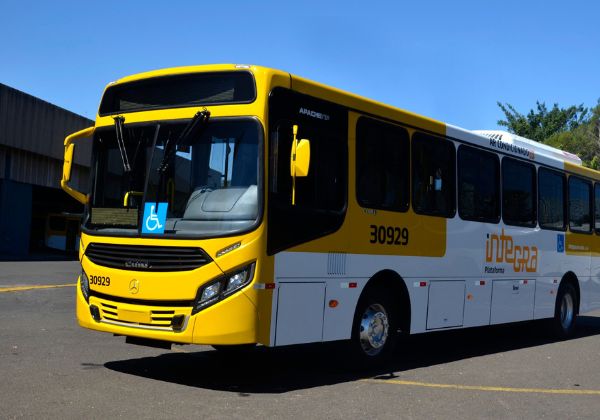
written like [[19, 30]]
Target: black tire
[[565, 311], [374, 329]]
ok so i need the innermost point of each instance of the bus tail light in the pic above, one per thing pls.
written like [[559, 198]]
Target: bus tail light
[[222, 287]]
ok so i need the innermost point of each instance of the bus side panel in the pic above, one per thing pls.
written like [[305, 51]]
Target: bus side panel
[[300, 307], [578, 259], [344, 284], [477, 302], [512, 300], [545, 297], [446, 304], [484, 253], [305, 290], [590, 289]]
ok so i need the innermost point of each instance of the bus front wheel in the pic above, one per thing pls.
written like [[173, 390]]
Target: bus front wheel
[[374, 332]]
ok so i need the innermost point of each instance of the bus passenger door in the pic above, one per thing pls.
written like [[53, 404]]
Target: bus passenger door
[[319, 203]]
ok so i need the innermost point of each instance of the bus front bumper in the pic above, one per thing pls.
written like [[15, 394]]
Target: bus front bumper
[[230, 321]]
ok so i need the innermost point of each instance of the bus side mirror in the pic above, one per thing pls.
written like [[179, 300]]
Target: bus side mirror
[[68, 163], [302, 161], [299, 160]]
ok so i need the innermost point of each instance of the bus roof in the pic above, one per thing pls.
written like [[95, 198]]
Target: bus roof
[[493, 139], [537, 147]]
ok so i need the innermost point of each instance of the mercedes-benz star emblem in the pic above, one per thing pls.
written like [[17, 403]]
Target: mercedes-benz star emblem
[[134, 286]]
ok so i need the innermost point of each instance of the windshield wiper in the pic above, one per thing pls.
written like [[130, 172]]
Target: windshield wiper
[[119, 120], [194, 127]]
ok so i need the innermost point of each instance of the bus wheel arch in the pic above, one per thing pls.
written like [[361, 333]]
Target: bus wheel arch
[[393, 285], [566, 307], [381, 315], [571, 278]]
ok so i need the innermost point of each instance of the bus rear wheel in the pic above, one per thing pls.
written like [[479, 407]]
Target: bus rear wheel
[[565, 311], [374, 332]]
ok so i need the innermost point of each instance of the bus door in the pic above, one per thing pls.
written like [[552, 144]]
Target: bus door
[[317, 209], [321, 196]]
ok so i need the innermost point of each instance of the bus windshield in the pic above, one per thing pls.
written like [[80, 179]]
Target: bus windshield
[[211, 182]]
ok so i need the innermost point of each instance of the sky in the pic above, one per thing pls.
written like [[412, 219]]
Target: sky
[[448, 60]]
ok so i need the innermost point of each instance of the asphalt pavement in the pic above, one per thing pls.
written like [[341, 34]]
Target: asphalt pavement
[[52, 368]]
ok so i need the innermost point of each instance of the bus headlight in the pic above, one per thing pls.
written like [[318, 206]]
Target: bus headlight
[[236, 281], [210, 292], [85, 285], [222, 287]]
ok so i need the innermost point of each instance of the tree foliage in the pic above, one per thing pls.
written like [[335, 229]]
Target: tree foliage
[[575, 129], [542, 123]]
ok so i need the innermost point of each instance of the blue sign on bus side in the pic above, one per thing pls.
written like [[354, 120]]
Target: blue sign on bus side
[[154, 220], [560, 243]]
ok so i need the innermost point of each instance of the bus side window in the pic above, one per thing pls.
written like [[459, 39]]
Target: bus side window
[[478, 185], [382, 165], [518, 193], [580, 193], [551, 200], [433, 175]]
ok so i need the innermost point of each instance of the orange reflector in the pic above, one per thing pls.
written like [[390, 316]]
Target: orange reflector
[[469, 296], [333, 303]]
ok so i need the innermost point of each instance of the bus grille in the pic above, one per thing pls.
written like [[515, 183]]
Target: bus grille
[[147, 258], [160, 318]]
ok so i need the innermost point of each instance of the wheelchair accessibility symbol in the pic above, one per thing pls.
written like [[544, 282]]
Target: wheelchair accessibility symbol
[[154, 219], [560, 242]]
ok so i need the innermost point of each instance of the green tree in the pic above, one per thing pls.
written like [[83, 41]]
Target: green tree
[[580, 141], [541, 123], [575, 129]]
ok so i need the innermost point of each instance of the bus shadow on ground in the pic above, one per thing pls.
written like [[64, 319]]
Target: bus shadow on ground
[[280, 370]]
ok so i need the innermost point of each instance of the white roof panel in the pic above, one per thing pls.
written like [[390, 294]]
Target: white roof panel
[[503, 140]]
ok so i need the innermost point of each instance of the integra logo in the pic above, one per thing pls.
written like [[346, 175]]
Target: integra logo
[[314, 114], [502, 249], [137, 264]]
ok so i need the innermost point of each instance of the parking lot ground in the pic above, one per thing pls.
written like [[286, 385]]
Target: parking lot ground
[[51, 368]]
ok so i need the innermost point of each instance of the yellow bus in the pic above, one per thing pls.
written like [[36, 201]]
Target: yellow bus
[[233, 205]]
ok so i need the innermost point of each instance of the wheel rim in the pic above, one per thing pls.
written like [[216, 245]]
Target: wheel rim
[[566, 311], [374, 329]]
